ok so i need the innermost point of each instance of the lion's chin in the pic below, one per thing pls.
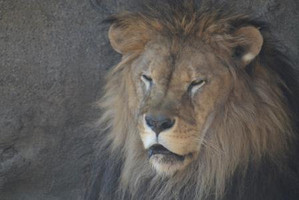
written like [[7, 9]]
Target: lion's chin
[[164, 166], [166, 162]]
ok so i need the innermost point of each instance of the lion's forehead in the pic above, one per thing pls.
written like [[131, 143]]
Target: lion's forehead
[[183, 66]]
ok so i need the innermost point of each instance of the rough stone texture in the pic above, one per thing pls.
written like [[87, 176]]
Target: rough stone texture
[[53, 59]]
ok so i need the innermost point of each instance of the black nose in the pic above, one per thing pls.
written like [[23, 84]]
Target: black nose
[[159, 122]]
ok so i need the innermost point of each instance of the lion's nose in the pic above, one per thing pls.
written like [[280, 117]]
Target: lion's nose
[[159, 123]]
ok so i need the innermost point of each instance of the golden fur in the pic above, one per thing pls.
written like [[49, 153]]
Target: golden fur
[[238, 120]]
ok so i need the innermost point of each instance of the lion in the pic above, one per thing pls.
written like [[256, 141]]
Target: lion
[[202, 105]]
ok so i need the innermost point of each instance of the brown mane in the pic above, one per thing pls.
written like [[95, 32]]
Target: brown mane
[[253, 134]]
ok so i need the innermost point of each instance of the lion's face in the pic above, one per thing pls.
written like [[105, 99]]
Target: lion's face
[[178, 78], [176, 95]]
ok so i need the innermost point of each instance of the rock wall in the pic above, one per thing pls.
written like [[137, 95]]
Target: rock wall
[[53, 58]]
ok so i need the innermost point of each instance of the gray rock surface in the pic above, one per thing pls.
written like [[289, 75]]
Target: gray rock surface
[[53, 58]]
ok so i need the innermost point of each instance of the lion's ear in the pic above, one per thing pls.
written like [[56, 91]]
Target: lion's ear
[[251, 43], [127, 33]]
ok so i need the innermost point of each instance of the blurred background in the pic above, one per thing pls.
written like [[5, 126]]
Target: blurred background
[[53, 58]]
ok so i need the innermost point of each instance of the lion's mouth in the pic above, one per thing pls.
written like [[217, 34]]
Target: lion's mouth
[[158, 149]]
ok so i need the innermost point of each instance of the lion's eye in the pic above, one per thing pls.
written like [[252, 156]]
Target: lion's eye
[[148, 81], [195, 85]]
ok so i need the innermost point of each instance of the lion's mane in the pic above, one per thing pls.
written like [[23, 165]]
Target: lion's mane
[[253, 154]]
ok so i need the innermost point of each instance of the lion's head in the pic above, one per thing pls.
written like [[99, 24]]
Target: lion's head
[[193, 100]]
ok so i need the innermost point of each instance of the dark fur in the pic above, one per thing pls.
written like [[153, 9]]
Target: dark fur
[[266, 181]]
